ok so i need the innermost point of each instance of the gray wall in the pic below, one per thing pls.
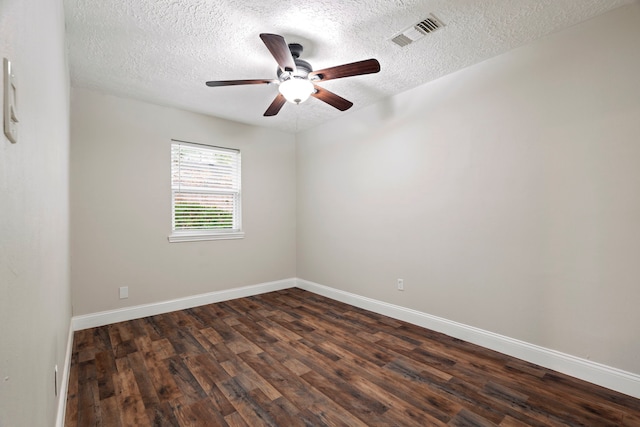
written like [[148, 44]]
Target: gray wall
[[505, 195], [35, 308], [121, 205]]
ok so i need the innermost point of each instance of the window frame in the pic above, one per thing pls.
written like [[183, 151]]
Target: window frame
[[191, 235]]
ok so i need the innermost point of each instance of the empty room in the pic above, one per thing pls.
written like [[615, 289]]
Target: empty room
[[320, 213]]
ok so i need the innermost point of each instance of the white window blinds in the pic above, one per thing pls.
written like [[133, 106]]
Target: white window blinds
[[205, 187]]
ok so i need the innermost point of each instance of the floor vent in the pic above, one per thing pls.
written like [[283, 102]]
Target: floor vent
[[417, 31]]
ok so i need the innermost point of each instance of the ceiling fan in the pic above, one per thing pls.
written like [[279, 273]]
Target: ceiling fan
[[296, 79]]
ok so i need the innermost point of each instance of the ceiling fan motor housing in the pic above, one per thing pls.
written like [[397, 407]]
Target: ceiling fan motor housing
[[303, 68]]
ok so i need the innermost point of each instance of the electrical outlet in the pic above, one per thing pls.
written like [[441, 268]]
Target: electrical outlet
[[400, 285], [124, 292]]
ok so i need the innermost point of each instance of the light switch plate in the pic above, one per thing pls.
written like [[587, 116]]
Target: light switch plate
[[10, 109]]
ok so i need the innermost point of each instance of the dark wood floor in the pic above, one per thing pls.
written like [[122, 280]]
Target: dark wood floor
[[293, 358]]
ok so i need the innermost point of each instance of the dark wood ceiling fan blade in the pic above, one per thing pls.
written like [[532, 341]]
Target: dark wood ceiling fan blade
[[275, 106], [238, 82], [280, 51], [332, 99], [368, 66]]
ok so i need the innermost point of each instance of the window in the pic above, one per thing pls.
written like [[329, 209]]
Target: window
[[205, 192]]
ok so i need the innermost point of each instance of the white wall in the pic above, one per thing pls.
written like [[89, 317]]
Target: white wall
[[121, 205], [35, 306], [505, 195]]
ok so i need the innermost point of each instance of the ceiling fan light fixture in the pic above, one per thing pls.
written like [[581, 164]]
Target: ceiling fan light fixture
[[296, 89], [296, 79]]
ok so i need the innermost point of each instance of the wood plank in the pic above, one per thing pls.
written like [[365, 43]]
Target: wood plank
[[300, 393], [157, 372], [162, 414], [235, 420], [132, 410], [280, 409], [88, 395], [105, 365], [466, 418], [249, 409], [189, 387], [143, 380], [110, 412], [198, 414]]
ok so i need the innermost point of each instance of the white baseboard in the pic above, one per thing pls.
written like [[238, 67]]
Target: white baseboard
[[136, 312], [64, 380], [596, 373]]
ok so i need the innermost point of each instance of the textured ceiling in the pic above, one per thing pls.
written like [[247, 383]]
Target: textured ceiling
[[163, 51]]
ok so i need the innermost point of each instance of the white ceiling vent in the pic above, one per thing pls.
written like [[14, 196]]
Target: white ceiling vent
[[417, 31]]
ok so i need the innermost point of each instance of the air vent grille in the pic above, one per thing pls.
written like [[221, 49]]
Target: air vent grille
[[417, 31], [427, 26], [401, 40]]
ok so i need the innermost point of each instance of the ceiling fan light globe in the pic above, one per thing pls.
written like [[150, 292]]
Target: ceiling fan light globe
[[296, 89]]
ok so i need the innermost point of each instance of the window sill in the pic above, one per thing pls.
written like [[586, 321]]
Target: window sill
[[197, 237]]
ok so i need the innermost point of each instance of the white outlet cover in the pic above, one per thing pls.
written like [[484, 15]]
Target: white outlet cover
[[124, 292]]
